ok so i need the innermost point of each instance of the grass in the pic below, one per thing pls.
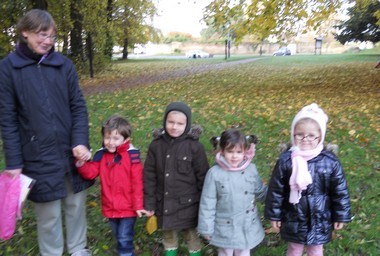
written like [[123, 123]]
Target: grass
[[260, 97]]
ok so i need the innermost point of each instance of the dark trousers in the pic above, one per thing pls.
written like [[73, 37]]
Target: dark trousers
[[123, 230]]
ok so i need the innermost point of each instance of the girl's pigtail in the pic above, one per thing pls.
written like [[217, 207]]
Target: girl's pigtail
[[251, 139], [215, 141]]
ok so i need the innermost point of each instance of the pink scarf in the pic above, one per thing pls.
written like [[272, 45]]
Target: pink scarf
[[301, 177], [249, 154]]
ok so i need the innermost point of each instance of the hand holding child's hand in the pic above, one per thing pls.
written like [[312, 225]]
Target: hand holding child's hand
[[81, 152]]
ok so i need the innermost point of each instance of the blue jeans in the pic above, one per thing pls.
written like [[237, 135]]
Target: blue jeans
[[123, 230]]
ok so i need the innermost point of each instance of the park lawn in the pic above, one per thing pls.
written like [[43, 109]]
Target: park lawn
[[261, 98]]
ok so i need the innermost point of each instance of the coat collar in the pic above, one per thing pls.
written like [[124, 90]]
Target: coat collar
[[19, 60]]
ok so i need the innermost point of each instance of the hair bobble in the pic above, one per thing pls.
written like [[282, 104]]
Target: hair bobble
[[215, 141], [251, 139]]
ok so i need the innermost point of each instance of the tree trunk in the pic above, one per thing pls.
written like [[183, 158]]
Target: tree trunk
[[125, 49], [76, 32], [90, 54], [40, 4], [109, 40]]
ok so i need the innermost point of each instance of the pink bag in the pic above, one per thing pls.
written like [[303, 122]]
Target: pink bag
[[10, 189]]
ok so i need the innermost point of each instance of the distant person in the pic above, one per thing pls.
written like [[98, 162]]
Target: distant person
[[308, 194], [228, 215], [120, 170], [174, 173], [44, 126]]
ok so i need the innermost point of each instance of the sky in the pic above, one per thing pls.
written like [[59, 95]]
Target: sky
[[180, 16]]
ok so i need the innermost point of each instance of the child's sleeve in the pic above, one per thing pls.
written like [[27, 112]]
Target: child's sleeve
[[260, 188], [137, 179], [207, 206], [90, 170], [200, 165], [275, 196], [340, 200], [150, 181]]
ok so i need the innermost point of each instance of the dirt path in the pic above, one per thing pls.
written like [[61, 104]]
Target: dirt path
[[125, 83]]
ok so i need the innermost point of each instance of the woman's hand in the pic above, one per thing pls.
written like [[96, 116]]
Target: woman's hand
[[81, 152], [13, 173]]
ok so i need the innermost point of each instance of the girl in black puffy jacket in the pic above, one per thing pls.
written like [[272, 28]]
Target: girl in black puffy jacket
[[308, 195]]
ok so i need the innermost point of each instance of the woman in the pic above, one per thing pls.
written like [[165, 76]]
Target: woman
[[44, 125]]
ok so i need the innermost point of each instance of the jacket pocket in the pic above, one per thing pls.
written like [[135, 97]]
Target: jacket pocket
[[250, 181], [290, 227], [188, 207], [291, 223], [223, 228], [31, 149], [323, 222], [222, 188], [184, 163]]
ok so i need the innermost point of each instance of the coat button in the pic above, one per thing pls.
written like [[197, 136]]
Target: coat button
[[228, 222], [166, 211], [167, 156], [166, 193], [184, 158], [167, 174], [189, 200], [246, 192]]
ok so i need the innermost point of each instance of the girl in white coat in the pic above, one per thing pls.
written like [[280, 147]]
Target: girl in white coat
[[228, 216]]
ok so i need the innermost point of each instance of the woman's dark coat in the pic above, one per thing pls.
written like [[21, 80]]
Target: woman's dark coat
[[43, 116], [324, 202], [174, 172]]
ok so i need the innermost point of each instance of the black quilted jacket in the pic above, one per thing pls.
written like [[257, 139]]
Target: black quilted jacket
[[324, 202]]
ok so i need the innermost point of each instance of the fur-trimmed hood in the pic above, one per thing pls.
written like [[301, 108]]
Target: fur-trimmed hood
[[194, 132]]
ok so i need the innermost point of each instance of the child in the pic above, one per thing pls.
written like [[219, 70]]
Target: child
[[121, 177], [228, 215], [308, 195], [174, 173]]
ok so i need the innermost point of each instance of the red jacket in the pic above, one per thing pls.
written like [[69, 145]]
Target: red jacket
[[121, 179]]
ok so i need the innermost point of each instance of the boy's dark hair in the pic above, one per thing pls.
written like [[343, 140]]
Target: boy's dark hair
[[232, 137], [119, 123]]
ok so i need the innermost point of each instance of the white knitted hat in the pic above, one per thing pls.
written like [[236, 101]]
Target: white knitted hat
[[312, 111]]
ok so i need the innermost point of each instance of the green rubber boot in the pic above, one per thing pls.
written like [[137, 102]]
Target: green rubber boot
[[171, 252], [197, 253]]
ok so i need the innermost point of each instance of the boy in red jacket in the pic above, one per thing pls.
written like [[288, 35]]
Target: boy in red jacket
[[121, 177]]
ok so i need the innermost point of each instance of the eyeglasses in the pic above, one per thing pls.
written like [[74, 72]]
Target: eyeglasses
[[302, 137], [44, 36]]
